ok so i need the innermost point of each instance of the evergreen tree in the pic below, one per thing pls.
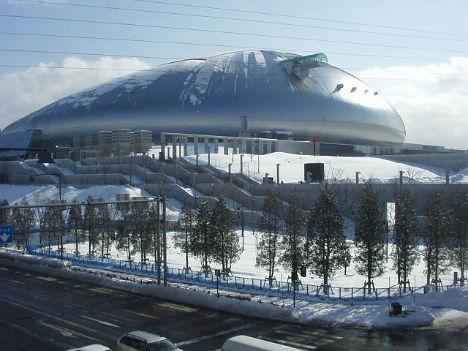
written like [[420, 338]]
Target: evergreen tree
[[405, 249], [4, 212], [124, 237], [435, 237], [326, 250], [141, 237], [267, 246], [458, 238], [75, 223], [90, 220], [203, 243], [292, 245], [23, 222], [183, 237], [370, 236], [226, 249], [104, 232], [53, 226]]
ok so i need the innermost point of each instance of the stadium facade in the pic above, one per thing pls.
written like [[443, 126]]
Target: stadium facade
[[229, 94]]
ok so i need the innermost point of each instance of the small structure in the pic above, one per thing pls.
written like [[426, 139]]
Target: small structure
[[14, 146], [314, 172]]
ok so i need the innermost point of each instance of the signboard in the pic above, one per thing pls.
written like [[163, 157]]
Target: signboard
[[6, 234]]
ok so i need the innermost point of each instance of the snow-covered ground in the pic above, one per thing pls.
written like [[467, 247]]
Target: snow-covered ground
[[336, 168], [39, 194], [245, 266]]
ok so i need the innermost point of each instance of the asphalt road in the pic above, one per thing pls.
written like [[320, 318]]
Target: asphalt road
[[38, 312]]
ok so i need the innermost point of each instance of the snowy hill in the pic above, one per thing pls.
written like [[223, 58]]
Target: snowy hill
[[336, 168]]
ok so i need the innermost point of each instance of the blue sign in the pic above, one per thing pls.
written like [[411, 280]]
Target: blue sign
[[6, 234]]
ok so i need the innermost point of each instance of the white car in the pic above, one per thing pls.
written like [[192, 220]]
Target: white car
[[143, 341], [94, 347]]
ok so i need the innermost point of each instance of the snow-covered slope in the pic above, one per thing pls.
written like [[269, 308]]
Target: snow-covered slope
[[336, 168]]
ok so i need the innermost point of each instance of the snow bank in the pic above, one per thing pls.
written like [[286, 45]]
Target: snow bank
[[373, 315]]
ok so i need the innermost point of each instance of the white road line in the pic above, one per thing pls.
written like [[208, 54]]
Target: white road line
[[141, 314], [207, 337], [323, 336], [101, 322], [65, 331], [177, 307], [62, 331], [296, 344]]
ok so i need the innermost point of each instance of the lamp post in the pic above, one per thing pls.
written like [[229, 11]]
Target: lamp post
[[58, 175]]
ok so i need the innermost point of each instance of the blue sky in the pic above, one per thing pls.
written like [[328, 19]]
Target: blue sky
[[435, 69]]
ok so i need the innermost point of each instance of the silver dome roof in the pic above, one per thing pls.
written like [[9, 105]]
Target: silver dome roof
[[208, 95]]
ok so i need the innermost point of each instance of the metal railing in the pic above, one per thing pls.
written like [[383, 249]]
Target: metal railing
[[243, 285]]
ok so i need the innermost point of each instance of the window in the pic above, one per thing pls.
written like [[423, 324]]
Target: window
[[134, 343], [163, 345]]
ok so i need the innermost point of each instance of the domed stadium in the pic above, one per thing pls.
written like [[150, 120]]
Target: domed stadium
[[253, 91]]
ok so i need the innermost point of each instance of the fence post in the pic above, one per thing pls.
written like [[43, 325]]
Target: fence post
[[339, 294], [352, 294], [252, 284]]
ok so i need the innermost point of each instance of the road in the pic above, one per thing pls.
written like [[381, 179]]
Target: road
[[39, 312]]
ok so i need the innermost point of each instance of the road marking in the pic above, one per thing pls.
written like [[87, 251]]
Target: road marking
[[296, 344], [177, 307], [47, 279], [34, 335], [65, 332], [17, 282], [61, 330], [101, 322], [207, 337], [141, 314], [12, 301], [322, 335]]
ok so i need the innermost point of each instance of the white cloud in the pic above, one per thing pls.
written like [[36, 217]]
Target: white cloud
[[25, 91], [433, 102]]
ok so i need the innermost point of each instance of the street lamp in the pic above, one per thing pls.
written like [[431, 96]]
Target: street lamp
[[58, 175]]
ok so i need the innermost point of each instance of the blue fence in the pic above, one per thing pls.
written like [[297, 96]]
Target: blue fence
[[250, 286]]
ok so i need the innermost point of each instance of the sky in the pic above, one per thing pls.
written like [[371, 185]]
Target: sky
[[414, 52]]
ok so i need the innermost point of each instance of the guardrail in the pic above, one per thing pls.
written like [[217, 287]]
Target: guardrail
[[251, 286]]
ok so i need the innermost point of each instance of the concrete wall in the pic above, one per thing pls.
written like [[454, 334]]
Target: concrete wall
[[454, 161]]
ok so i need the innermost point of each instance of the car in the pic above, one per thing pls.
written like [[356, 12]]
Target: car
[[139, 340], [247, 343], [93, 347]]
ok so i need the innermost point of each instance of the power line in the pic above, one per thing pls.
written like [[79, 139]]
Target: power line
[[90, 54], [199, 44], [168, 58], [225, 32], [151, 69], [297, 17], [236, 19]]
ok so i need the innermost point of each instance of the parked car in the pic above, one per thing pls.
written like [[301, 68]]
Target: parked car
[[247, 343], [139, 340], [94, 347]]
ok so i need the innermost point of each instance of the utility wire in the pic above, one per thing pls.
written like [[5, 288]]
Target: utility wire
[[200, 44], [152, 69], [170, 58], [175, 13], [297, 17], [76, 20]]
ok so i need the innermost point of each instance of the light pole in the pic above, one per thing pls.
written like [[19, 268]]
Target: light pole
[[58, 175]]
